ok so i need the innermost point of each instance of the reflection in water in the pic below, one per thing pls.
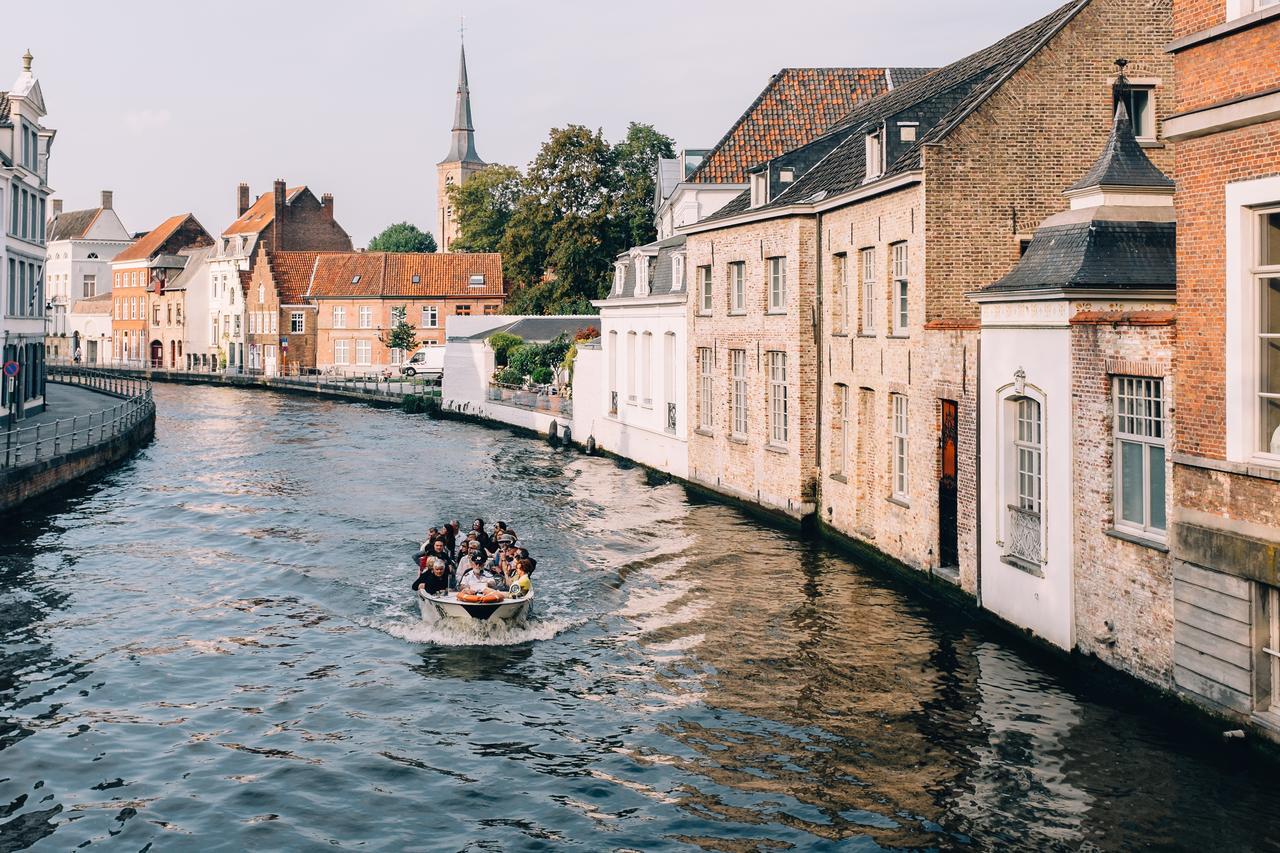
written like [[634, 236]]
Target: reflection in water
[[216, 646]]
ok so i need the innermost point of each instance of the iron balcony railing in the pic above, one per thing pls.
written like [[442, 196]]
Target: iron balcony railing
[[26, 445], [671, 417], [613, 402], [1024, 536]]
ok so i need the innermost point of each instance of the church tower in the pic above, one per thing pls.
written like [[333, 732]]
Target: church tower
[[460, 163]]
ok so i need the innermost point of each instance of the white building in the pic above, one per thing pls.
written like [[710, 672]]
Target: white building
[[90, 327], [202, 326], [81, 246], [24, 193], [632, 402], [680, 202]]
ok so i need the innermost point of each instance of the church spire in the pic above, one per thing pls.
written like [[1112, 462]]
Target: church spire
[[462, 148]]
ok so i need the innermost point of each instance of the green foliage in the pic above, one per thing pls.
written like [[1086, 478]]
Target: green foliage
[[637, 158], [553, 352], [510, 376], [524, 359], [483, 205], [403, 335], [542, 376], [403, 237], [502, 343]]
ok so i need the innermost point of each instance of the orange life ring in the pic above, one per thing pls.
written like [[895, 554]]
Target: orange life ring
[[473, 598]]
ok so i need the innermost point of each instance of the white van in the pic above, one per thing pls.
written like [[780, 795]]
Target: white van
[[429, 361]]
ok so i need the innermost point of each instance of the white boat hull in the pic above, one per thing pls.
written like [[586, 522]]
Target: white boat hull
[[448, 607]]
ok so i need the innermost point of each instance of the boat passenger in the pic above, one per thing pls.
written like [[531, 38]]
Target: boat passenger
[[434, 580], [475, 580], [519, 585], [477, 527], [441, 551]]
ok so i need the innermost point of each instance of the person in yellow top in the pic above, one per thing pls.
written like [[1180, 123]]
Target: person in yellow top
[[518, 583]]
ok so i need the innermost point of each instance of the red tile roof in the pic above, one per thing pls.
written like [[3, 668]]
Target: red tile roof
[[391, 274], [795, 107], [148, 244], [260, 214], [291, 272]]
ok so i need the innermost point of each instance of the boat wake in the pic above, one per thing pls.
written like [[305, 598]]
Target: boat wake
[[458, 632]]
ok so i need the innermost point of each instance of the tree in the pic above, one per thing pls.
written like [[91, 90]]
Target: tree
[[403, 237], [502, 343], [402, 335], [483, 205], [637, 156]]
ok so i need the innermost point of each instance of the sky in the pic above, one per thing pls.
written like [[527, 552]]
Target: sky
[[172, 105]]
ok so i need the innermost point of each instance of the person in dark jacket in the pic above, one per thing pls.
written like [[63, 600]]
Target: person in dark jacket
[[434, 579]]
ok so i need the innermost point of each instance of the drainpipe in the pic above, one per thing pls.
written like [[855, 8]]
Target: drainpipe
[[977, 467], [817, 342]]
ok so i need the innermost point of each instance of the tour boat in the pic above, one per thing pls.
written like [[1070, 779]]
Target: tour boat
[[449, 607]]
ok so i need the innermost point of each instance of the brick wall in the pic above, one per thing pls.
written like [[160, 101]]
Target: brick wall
[[1228, 68], [381, 308], [1123, 590], [751, 467], [309, 226]]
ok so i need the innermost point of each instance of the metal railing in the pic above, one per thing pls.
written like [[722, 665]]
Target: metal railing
[[1024, 536], [671, 417], [538, 398], [27, 445], [613, 402]]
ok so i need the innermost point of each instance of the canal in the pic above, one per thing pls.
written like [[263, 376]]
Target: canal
[[215, 647]]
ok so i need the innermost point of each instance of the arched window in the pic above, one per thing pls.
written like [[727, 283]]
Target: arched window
[[1024, 483], [93, 256]]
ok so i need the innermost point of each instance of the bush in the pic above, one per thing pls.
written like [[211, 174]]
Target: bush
[[510, 376], [525, 359], [502, 343], [553, 353], [542, 376]]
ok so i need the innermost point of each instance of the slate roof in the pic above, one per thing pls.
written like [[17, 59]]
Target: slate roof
[[660, 276], [939, 101], [541, 329], [261, 213], [1123, 162], [1097, 254], [197, 258], [668, 177], [151, 242], [796, 105], [72, 224], [390, 274]]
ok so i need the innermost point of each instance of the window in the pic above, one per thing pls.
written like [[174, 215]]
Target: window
[[706, 416], [1028, 452], [631, 366], [619, 278], [738, 390], [868, 265], [275, 321], [738, 287], [355, 279], [398, 315], [777, 284], [646, 368], [704, 290], [642, 276], [613, 373], [416, 278], [1271, 601], [786, 176], [339, 317], [1139, 455], [262, 293], [490, 310], [901, 271], [462, 310], [364, 352], [1139, 101], [297, 323], [90, 287], [1267, 286], [133, 308], [839, 292], [366, 317], [759, 188], [901, 463], [677, 272], [875, 156], [840, 429], [430, 316], [341, 352], [908, 132], [777, 364], [475, 281], [397, 355], [669, 378]]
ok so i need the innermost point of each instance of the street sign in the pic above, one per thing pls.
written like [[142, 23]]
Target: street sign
[[11, 368]]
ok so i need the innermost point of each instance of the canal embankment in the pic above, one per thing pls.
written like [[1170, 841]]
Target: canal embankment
[[91, 422]]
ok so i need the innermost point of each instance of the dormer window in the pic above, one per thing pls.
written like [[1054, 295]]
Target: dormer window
[[875, 156], [619, 278], [677, 272], [475, 281], [642, 276], [355, 279], [786, 176], [759, 188], [417, 279]]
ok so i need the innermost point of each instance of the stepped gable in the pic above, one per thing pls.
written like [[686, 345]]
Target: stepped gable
[[796, 105]]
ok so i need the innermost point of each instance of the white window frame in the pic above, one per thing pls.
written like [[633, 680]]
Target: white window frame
[[867, 266], [1028, 455], [1268, 339], [364, 352], [840, 293], [646, 369], [619, 278], [430, 317], [738, 392], [779, 415], [613, 372], [642, 275], [901, 288], [631, 367], [706, 388], [670, 421], [705, 304], [366, 317], [777, 267], [297, 322], [1139, 421], [738, 287], [874, 155], [759, 188], [339, 317], [1144, 124], [342, 351], [677, 271], [900, 410]]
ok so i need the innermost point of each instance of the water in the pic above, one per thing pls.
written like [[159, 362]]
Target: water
[[215, 647]]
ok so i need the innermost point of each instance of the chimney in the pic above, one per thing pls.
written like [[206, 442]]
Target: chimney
[[326, 204], [242, 199], [277, 226], [57, 207], [106, 199]]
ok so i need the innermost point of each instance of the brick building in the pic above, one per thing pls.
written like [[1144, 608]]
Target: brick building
[[131, 285], [871, 235], [280, 320], [1074, 394], [1226, 459], [359, 297]]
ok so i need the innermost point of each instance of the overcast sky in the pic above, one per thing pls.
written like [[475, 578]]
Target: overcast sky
[[172, 104]]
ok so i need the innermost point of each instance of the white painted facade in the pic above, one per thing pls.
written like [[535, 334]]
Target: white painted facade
[[24, 194], [90, 326], [689, 203], [217, 327], [79, 267]]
